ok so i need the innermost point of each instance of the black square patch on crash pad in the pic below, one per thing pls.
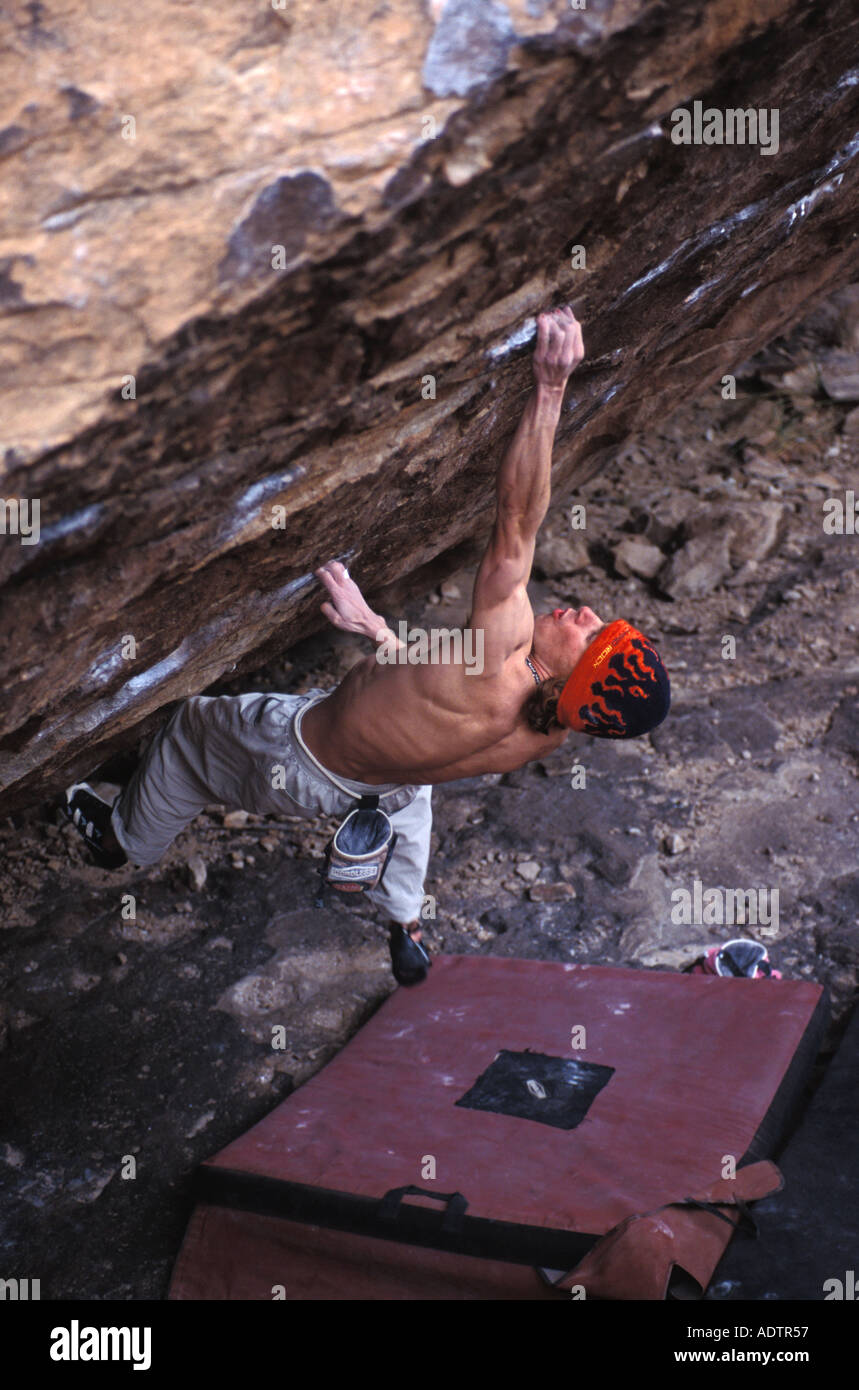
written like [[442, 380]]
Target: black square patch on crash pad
[[555, 1091]]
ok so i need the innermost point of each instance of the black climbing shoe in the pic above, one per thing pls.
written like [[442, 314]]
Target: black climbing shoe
[[91, 818], [408, 957]]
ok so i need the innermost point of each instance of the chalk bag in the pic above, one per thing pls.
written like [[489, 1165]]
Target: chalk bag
[[357, 856]]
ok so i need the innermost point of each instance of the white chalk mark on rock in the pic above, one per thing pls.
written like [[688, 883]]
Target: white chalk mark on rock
[[702, 290], [248, 505], [716, 232], [826, 184], [75, 522], [802, 207], [849, 79], [650, 132], [516, 340]]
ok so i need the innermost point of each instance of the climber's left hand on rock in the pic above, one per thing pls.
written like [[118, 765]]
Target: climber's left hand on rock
[[348, 610]]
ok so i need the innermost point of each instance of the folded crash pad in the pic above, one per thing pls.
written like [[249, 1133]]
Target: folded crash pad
[[553, 1118], [808, 1247]]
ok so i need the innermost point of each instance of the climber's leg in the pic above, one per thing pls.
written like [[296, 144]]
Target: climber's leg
[[166, 791], [401, 892], [213, 749], [241, 751]]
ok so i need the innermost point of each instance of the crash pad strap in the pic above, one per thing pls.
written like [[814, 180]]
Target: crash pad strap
[[390, 1205], [745, 1223], [480, 1236]]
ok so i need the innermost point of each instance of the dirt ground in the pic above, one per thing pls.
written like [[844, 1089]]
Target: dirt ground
[[142, 1029]]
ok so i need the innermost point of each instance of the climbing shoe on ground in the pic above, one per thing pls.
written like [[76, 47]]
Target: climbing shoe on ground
[[91, 818], [408, 957], [738, 957]]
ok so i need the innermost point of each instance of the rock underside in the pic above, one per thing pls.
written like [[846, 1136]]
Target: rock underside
[[237, 248]]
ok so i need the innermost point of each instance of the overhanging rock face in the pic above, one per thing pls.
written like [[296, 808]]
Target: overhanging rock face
[[237, 242]]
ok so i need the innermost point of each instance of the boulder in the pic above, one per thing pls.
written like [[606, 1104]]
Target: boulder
[[698, 567], [839, 372], [560, 555], [846, 304], [270, 277], [721, 539], [637, 557]]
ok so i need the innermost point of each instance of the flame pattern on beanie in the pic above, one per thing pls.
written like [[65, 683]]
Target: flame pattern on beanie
[[619, 688]]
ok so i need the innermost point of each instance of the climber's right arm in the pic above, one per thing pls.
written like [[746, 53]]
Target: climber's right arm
[[525, 477], [500, 606]]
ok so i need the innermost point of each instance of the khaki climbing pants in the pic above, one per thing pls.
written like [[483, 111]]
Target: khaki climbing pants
[[246, 752]]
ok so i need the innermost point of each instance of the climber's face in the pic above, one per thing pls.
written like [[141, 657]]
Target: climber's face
[[560, 637]]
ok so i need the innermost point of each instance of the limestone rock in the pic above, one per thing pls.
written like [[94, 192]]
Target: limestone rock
[[638, 557], [839, 372], [761, 422], [197, 871], [269, 281], [551, 892], [755, 529], [698, 567], [560, 555], [846, 303], [804, 379], [674, 957], [529, 870], [760, 465], [663, 521], [674, 843], [722, 538]]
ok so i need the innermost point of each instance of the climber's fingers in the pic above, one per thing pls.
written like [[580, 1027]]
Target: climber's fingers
[[556, 325], [332, 615], [336, 578], [571, 348], [334, 569], [547, 332], [576, 343], [560, 347]]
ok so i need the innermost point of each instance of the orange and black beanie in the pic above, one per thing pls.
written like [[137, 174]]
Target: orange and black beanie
[[619, 688]]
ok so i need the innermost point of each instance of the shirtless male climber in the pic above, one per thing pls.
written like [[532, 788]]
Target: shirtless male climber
[[396, 730]]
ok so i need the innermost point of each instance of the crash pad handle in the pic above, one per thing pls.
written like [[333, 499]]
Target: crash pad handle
[[455, 1204]]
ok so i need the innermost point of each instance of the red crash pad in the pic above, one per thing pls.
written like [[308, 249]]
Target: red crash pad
[[539, 1145]]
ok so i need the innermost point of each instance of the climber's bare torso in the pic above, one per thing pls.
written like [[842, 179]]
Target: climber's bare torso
[[426, 724], [430, 723]]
